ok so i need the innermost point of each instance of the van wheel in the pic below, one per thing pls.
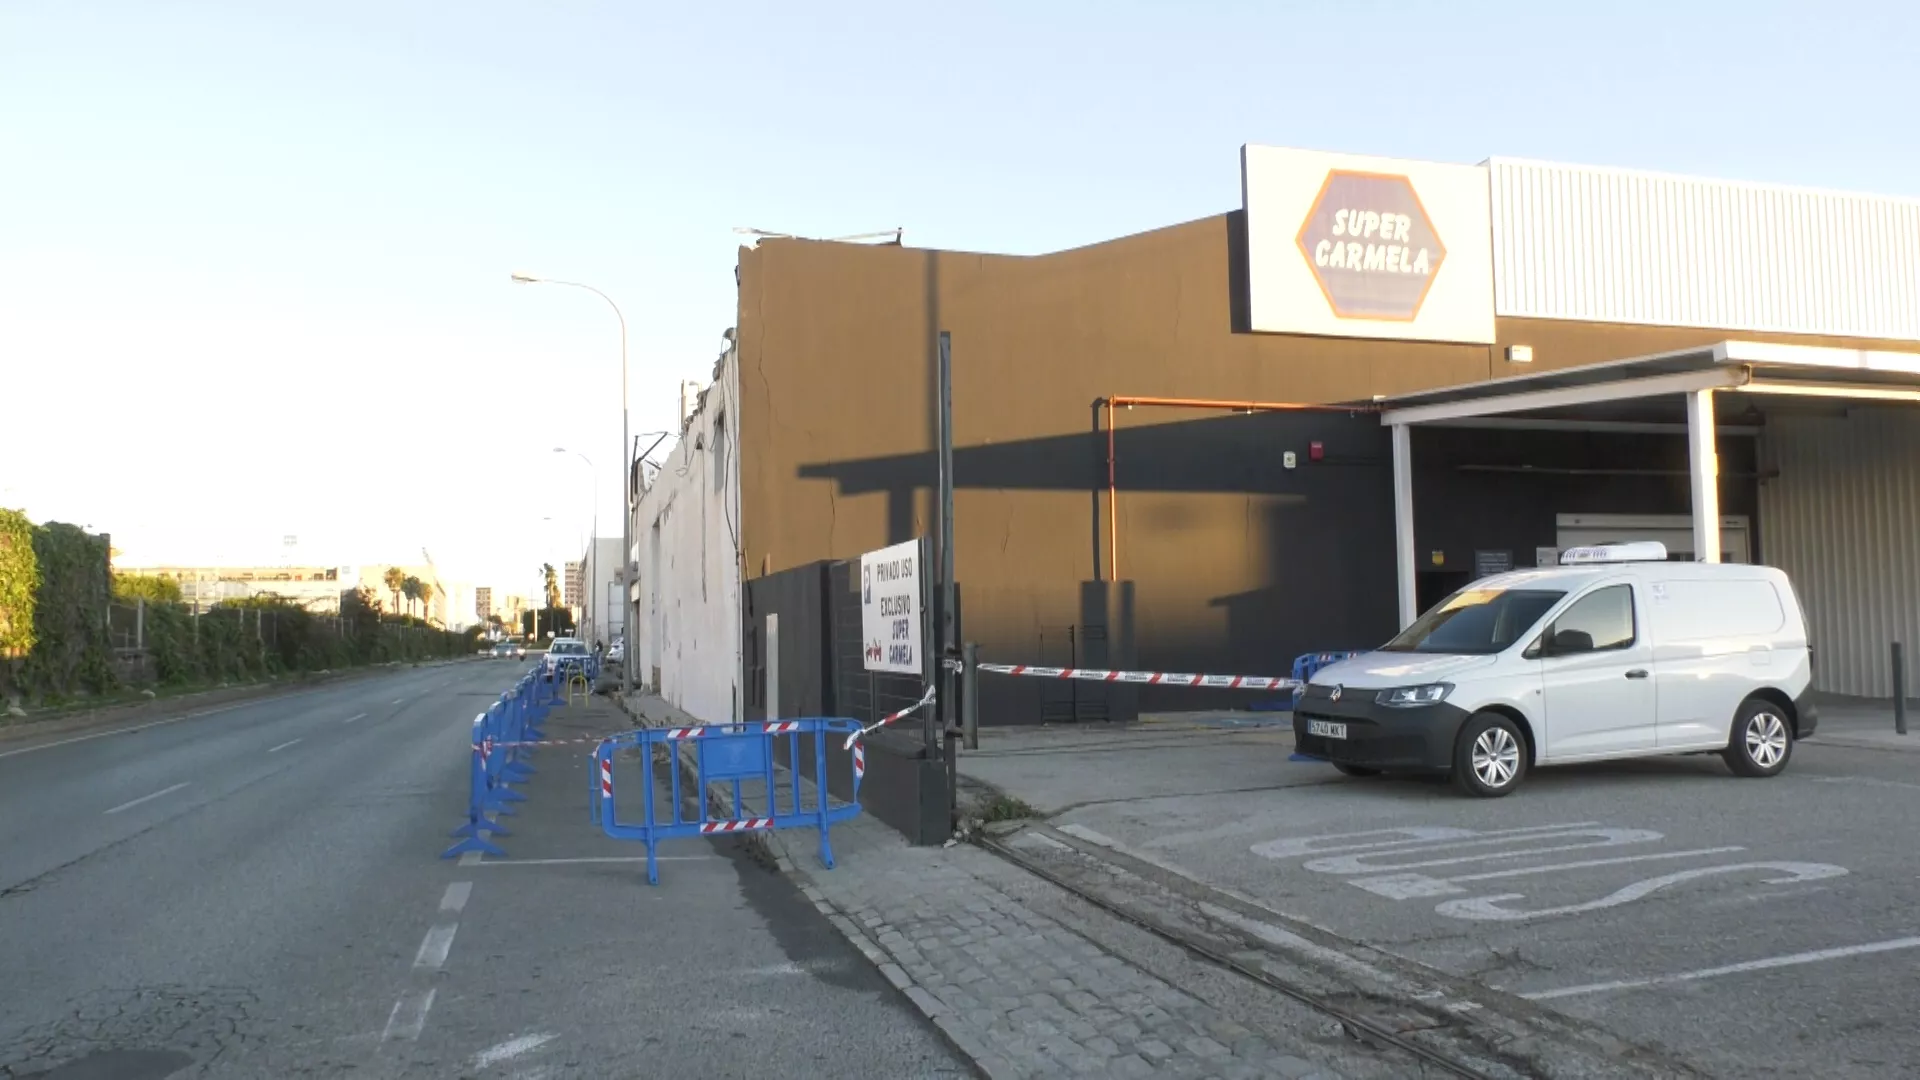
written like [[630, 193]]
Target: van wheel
[[1762, 739], [1355, 770], [1489, 757]]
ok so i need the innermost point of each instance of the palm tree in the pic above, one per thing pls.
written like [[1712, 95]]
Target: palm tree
[[425, 593], [553, 585], [394, 578], [410, 588]]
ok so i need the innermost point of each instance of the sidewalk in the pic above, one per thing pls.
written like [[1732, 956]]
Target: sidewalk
[[1867, 725], [1028, 981]]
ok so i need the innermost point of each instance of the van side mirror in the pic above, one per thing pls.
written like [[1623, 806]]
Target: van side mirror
[[1568, 642]]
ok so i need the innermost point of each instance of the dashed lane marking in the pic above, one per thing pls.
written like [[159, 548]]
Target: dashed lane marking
[[455, 898], [507, 1051], [409, 1016], [355, 716], [148, 798], [284, 745], [434, 949]]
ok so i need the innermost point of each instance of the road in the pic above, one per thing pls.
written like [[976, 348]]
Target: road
[[256, 892], [1747, 927]]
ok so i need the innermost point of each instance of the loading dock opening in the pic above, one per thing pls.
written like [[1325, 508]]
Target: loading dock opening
[[1685, 386]]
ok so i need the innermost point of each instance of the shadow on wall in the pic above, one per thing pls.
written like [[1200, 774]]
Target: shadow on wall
[[1302, 561]]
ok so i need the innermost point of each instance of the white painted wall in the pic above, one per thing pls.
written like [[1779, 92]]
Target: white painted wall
[[687, 530]]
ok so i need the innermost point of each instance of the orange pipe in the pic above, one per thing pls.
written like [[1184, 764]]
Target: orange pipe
[[1113, 486]]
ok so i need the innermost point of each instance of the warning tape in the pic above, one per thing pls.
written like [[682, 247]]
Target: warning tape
[[774, 727], [1147, 678], [926, 699]]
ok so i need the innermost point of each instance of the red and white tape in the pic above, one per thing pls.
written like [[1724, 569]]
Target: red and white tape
[[926, 699], [1146, 678], [606, 778], [742, 825], [859, 762]]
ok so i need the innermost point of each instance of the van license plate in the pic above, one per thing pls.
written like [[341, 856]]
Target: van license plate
[[1326, 730]]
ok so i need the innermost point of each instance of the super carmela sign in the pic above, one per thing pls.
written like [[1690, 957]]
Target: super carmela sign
[[890, 609], [1371, 245]]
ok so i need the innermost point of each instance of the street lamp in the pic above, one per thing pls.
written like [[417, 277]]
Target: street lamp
[[626, 474], [593, 549]]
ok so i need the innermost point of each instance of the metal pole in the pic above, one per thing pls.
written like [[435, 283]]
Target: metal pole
[[1899, 689], [773, 666], [970, 695]]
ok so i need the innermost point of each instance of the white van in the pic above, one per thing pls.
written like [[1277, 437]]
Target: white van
[[1616, 653]]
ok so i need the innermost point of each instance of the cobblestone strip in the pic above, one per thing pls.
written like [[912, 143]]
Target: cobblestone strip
[[1019, 994]]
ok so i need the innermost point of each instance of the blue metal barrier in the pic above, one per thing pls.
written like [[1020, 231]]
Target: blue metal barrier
[[498, 760], [1307, 665], [726, 754]]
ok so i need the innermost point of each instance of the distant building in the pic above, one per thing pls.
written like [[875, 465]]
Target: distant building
[[570, 591], [317, 588], [482, 602]]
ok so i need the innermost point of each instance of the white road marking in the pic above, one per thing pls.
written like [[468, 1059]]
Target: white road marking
[[1411, 886], [1792, 960], [1411, 837], [434, 949], [594, 859], [284, 745], [455, 898], [139, 727], [399, 701], [1870, 781], [356, 716], [1589, 838], [409, 1016], [148, 798], [507, 1051], [470, 858], [1487, 908]]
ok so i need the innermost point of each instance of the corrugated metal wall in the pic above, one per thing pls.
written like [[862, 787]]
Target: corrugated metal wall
[[1610, 245], [1843, 520]]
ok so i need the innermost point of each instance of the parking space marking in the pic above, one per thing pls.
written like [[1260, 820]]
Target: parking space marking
[[1385, 862], [1409, 886], [1487, 908], [1791, 960], [1358, 864], [148, 798]]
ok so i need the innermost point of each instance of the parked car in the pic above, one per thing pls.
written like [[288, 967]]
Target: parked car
[[617, 651], [1616, 653], [568, 651]]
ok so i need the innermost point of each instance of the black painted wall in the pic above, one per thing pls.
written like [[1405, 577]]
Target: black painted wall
[[1460, 505]]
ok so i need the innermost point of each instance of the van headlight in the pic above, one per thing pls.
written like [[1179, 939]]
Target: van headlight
[[1410, 696]]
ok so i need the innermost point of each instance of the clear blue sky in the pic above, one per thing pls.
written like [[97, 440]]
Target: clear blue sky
[[254, 257]]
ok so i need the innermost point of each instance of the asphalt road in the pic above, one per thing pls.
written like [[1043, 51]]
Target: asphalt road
[[1749, 927], [257, 892]]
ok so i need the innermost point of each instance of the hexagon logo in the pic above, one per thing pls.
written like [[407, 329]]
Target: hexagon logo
[[1371, 246]]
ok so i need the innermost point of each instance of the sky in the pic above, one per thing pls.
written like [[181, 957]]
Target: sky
[[254, 258]]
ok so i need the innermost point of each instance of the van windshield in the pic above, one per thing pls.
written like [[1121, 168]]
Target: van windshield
[[1475, 622]]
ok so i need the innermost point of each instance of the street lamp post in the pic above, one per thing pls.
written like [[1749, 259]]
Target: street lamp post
[[593, 549], [626, 478]]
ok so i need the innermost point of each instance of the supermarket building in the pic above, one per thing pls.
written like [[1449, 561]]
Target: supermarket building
[[1216, 445]]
